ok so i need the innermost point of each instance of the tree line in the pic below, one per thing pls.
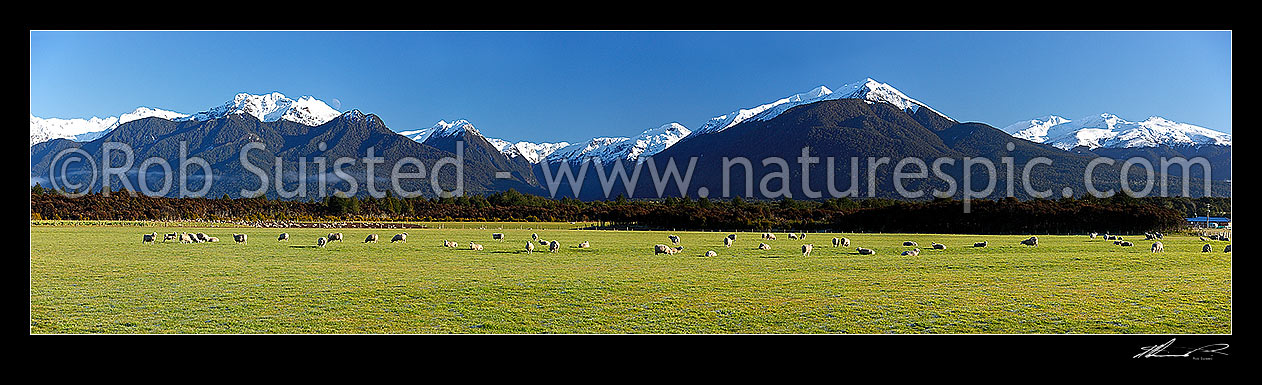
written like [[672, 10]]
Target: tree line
[[1118, 214]]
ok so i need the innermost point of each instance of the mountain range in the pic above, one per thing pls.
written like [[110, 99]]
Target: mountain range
[[859, 119]]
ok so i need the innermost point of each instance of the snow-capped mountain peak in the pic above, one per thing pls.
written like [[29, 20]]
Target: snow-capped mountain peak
[[45, 129], [272, 107], [866, 89], [611, 149], [874, 91], [1110, 131]]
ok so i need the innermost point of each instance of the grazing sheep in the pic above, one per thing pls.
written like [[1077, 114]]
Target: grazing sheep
[[371, 238], [1032, 241], [474, 246], [731, 236], [530, 247], [283, 237], [771, 237], [534, 237], [543, 242], [911, 253], [1110, 238], [980, 244], [201, 237], [1149, 236], [450, 244], [171, 236], [764, 246], [673, 239], [335, 237], [793, 236], [1093, 235], [806, 249], [711, 253], [400, 237], [1160, 236], [1158, 247], [240, 238], [845, 242], [497, 236], [1227, 249], [186, 238], [1126, 244], [909, 243], [836, 241], [212, 239], [863, 251], [554, 246], [727, 242], [584, 245], [663, 249], [937, 246], [1207, 248], [149, 238], [321, 242]]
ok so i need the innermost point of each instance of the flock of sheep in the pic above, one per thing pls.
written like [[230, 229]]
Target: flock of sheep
[[188, 238], [675, 247]]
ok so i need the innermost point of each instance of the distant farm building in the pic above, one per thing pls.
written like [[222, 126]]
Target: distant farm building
[[1210, 222]]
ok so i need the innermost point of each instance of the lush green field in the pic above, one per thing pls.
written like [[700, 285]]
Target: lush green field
[[102, 279]]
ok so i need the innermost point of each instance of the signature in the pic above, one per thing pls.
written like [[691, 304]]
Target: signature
[[1159, 351]]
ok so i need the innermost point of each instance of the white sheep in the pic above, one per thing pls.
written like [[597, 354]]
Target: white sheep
[[584, 245], [793, 236], [186, 238], [1158, 247], [1126, 244], [474, 246], [201, 237], [731, 236], [1093, 235], [497, 236], [171, 236], [764, 246], [771, 237], [554, 246], [534, 237], [863, 251], [321, 242], [711, 253], [845, 242], [673, 239], [806, 249], [727, 242], [149, 238], [240, 238], [909, 243], [937, 246], [836, 241], [911, 253], [530, 247], [335, 237], [400, 237], [283, 237], [371, 238], [212, 239]]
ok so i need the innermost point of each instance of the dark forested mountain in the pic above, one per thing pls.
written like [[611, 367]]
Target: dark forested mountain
[[853, 133], [344, 142]]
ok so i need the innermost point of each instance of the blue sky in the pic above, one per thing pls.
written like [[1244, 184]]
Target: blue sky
[[573, 85]]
